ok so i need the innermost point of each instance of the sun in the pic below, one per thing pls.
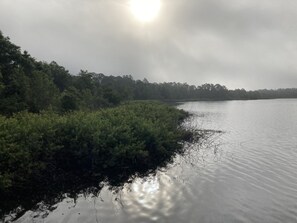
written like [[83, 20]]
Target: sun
[[145, 10]]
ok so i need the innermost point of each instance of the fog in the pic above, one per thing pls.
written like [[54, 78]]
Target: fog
[[238, 43]]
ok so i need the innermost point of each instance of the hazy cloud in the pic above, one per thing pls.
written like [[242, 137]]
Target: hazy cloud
[[239, 43]]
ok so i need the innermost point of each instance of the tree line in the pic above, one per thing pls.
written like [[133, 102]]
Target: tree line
[[32, 85]]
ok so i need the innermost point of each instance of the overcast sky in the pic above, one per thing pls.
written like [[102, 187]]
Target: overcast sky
[[238, 43]]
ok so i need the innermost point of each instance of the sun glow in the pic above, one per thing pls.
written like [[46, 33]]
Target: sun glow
[[145, 10]]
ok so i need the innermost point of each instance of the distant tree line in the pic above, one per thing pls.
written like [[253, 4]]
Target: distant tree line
[[28, 84]]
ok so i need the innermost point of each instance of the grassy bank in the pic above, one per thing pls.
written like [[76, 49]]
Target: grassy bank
[[46, 153]]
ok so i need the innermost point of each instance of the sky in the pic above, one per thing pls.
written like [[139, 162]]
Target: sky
[[247, 44]]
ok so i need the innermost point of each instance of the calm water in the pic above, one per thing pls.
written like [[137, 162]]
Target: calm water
[[246, 173]]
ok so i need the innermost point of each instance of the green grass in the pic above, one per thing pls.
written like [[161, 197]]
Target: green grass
[[49, 153]]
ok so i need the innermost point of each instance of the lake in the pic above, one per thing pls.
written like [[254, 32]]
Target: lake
[[245, 170]]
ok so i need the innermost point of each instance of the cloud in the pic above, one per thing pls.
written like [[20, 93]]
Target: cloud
[[239, 43]]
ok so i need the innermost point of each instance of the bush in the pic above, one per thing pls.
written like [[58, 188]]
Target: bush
[[46, 153]]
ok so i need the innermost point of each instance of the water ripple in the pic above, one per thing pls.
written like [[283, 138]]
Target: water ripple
[[245, 172]]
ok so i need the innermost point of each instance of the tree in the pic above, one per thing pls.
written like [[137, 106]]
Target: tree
[[59, 75], [70, 100], [42, 92], [14, 95]]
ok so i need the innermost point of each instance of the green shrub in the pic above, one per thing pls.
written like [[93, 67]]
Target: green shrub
[[48, 152]]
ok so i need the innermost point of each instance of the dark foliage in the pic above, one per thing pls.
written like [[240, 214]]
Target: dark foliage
[[27, 84], [46, 154]]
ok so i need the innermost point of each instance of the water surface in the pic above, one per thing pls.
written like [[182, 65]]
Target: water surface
[[245, 171]]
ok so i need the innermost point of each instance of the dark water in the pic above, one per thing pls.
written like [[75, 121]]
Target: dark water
[[246, 173]]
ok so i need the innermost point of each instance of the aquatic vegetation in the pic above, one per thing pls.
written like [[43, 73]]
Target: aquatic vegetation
[[45, 154]]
